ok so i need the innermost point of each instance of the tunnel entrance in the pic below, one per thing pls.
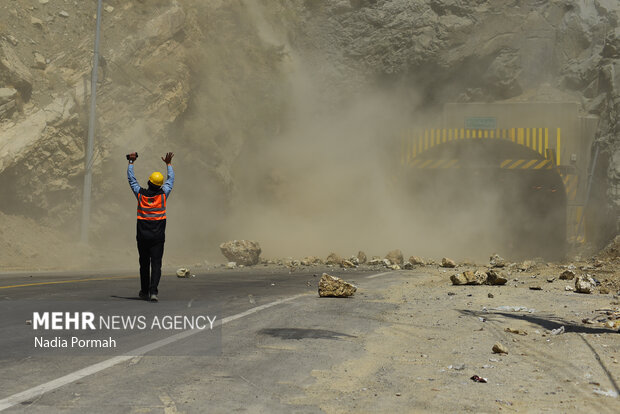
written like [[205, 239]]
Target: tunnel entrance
[[486, 196]]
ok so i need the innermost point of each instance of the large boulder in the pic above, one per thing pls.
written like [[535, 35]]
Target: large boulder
[[415, 260], [333, 259], [395, 257], [242, 252], [335, 287]]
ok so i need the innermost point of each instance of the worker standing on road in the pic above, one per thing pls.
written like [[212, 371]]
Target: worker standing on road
[[151, 225]]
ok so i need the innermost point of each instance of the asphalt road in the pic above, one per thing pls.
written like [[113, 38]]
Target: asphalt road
[[272, 330]]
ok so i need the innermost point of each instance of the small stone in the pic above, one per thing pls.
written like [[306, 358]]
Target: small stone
[[346, 264], [361, 256], [354, 260], [310, 260], [568, 288], [231, 265], [567, 275], [558, 331], [527, 265], [499, 348], [109, 9], [415, 260], [183, 272], [36, 22], [516, 331], [603, 291], [481, 277], [490, 295], [63, 13], [584, 284], [394, 267], [386, 262], [335, 287], [535, 287], [458, 279], [497, 261], [477, 278], [496, 277], [375, 261], [12, 40], [551, 279], [39, 61], [407, 266], [44, 1], [445, 262]]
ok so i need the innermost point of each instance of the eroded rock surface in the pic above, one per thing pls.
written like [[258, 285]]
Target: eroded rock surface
[[335, 287]]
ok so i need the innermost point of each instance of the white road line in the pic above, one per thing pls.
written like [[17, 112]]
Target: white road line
[[378, 275], [34, 392]]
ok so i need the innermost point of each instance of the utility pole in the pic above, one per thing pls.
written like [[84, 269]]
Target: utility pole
[[88, 159]]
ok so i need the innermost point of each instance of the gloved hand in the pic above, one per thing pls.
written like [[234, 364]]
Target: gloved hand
[[168, 158]]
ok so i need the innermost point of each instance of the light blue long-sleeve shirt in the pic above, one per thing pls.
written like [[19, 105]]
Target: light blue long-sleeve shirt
[[135, 187]]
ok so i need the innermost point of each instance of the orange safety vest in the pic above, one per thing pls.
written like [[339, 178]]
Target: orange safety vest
[[152, 208]]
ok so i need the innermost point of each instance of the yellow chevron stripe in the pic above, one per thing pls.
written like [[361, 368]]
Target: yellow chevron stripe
[[516, 164], [529, 164], [437, 164], [541, 164], [505, 163], [425, 164], [451, 163]]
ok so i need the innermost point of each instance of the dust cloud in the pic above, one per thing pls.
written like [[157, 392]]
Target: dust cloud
[[329, 177]]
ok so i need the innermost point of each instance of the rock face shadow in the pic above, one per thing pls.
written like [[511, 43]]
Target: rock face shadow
[[298, 333]]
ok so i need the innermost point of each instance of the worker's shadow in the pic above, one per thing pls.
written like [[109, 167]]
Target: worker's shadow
[[549, 323], [127, 297]]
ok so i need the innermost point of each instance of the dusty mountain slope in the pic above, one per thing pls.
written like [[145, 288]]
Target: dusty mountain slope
[[260, 99]]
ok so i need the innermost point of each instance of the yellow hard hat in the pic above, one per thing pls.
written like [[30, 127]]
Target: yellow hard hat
[[157, 178]]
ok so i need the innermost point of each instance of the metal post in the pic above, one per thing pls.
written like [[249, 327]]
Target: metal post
[[88, 173]]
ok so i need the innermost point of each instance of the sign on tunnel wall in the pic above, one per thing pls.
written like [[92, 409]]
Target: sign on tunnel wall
[[475, 122]]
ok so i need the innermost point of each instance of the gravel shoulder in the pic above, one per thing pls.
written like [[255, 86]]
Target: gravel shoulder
[[427, 348]]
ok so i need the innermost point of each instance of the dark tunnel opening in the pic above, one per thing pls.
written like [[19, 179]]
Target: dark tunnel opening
[[521, 212]]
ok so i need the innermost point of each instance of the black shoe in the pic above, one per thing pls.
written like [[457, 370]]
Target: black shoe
[[143, 295], [153, 298]]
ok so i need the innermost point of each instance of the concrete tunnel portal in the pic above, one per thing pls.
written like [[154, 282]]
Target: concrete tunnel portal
[[523, 187]]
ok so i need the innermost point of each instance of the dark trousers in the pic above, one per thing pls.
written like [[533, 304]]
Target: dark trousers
[[151, 253]]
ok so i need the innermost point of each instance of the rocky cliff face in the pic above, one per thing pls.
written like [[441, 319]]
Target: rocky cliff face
[[215, 82]]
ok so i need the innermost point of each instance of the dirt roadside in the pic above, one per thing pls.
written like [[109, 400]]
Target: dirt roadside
[[441, 335]]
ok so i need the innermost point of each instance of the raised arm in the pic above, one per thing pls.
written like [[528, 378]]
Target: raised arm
[[133, 183], [167, 187]]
